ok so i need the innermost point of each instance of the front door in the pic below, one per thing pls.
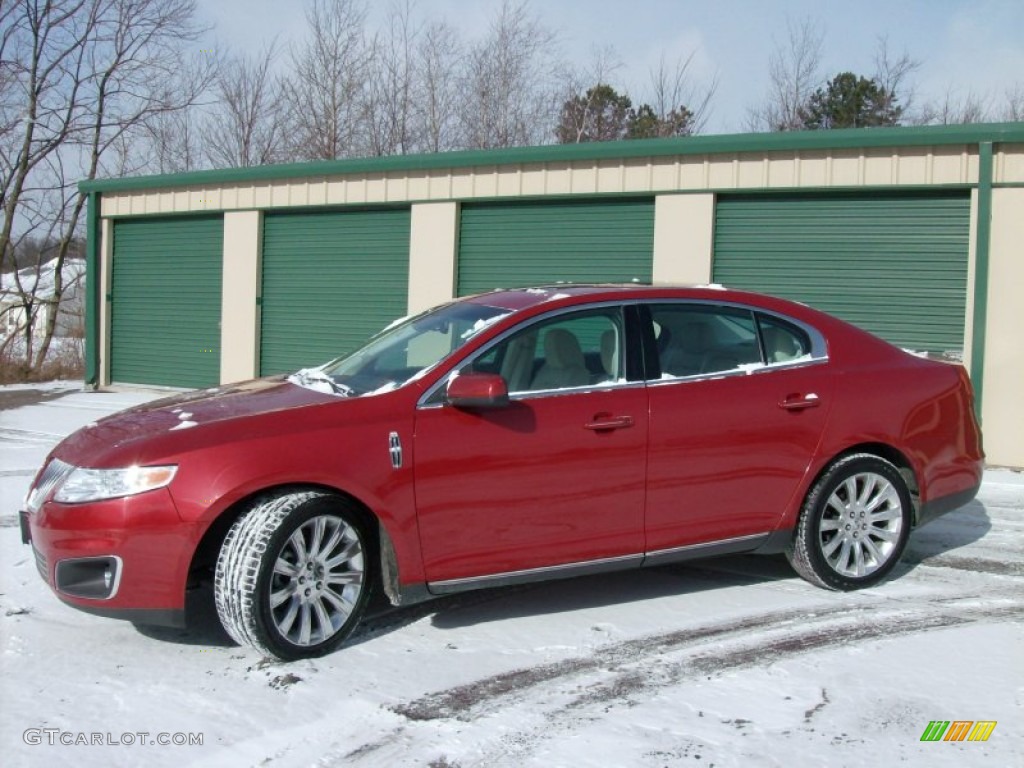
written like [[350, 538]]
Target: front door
[[557, 476]]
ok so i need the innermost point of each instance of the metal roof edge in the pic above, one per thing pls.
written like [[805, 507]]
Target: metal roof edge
[[854, 138]]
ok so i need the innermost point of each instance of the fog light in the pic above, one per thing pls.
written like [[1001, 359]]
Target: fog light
[[93, 577]]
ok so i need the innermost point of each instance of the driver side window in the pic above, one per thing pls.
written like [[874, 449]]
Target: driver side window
[[565, 352]]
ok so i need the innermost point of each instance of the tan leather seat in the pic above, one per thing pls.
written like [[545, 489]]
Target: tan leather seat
[[564, 365]]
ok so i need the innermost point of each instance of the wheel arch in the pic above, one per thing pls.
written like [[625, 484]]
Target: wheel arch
[[205, 554], [891, 454]]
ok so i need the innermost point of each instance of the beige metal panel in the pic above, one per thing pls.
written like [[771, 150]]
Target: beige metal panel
[[846, 168], [749, 172], [609, 176], [694, 173], [559, 179], [878, 167], [433, 244], [683, 238], [583, 178], [418, 186], [948, 167], [638, 175], [106, 272], [239, 328], [1002, 405], [1010, 164], [534, 179], [721, 173], [510, 181]]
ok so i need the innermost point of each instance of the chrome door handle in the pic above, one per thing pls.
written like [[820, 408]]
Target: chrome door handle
[[600, 424], [800, 402]]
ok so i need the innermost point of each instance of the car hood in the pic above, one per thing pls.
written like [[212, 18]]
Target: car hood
[[171, 420]]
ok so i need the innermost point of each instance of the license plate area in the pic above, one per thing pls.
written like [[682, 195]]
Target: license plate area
[[26, 532]]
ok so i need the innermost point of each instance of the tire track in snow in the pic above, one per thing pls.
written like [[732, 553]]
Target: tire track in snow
[[617, 673]]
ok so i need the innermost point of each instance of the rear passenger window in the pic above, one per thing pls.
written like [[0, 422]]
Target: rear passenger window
[[783, 342], [694, 339]]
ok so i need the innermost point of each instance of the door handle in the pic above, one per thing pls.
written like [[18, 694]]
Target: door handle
[[800, 402], [602, 423]]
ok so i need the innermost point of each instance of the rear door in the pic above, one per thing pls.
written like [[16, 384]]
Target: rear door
[[737, 411]]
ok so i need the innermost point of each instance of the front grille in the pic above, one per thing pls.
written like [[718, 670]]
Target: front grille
[[54, 474], [41, 564]]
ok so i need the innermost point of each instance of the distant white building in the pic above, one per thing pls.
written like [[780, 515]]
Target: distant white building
[[40, 283]]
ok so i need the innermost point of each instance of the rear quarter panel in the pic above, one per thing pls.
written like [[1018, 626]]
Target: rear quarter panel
[[921, 408]]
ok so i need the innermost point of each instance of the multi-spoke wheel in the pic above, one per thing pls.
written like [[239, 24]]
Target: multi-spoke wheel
[[854, 524], [292, 576]]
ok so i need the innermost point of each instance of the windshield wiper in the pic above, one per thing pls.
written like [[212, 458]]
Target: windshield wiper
[[311, 377]]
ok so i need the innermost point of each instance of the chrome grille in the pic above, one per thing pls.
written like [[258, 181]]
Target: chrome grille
[[41, 564], [54, 474]]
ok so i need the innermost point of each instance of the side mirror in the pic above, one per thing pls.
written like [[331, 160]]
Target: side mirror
[[477, 390]]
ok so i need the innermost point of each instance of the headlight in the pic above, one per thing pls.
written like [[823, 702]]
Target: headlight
[[95, 484]]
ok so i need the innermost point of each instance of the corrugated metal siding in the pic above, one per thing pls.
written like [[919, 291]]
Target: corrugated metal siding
[[330, 281], [519, 244], [165, 310], [894, 264]]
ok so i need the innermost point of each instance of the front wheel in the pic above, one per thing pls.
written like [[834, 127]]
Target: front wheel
[[854, 524], [292, 575]]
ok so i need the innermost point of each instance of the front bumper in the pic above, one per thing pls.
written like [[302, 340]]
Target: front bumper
[[124, 558]]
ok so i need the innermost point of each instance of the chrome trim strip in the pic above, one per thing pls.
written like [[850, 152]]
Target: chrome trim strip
[[554, 571], [696, 548], [118, 570], [657, 557], [737, 372]]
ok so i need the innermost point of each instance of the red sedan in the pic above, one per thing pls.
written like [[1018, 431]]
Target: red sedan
[[512, 436]]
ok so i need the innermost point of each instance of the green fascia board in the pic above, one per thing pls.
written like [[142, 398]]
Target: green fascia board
[[855, 138]]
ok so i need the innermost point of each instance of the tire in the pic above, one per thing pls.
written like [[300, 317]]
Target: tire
[[854, 524], [293, 575]]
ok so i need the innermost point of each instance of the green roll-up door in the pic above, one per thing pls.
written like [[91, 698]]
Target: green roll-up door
[[166, 301], [510, 245], [892, 263], [330, 281]]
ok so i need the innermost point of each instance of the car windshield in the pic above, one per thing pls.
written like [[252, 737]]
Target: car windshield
[[403, 351]]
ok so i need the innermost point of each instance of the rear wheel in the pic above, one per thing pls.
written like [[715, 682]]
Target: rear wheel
[[292, 577], [854, 524]]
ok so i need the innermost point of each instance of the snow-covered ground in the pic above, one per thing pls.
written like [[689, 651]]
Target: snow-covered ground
[[731, 662]]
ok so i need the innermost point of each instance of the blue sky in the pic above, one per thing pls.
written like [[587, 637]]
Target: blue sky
[[963, 45]]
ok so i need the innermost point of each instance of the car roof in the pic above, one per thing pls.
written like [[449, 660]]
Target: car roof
[[572, 293]]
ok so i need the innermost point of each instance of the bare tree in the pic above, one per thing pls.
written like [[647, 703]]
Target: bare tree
[[587, 96], [794, 74], [245, 126], [439, 62], [510, 94], [1014, 108], [391, 88], [672, 93], [892, 75], [80, 77], [953, 108], [329, 73]]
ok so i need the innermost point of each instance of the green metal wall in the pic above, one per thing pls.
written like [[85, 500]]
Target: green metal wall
[[892, 263], [330, 281], [166, 301], [505, 245]]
